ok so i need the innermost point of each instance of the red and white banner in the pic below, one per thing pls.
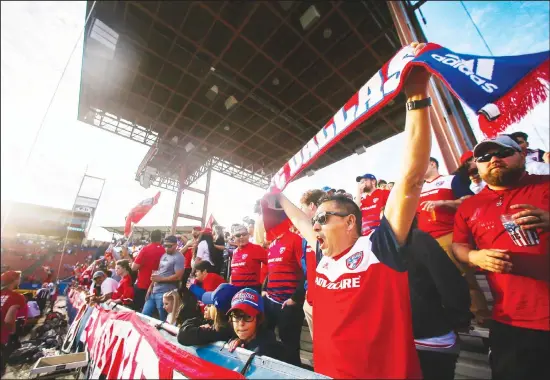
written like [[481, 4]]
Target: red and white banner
[[122, 346], [211, 222], [138, 212]]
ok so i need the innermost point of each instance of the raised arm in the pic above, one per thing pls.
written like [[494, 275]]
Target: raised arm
[[403, 202], [299, 219]]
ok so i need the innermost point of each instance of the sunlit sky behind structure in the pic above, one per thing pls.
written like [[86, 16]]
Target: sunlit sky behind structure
[[37, 40]]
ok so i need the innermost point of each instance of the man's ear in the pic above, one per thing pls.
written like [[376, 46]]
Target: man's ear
[[351, 222]]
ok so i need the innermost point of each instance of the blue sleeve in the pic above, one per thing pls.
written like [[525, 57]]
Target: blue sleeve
[[386, 248], [460, 189]]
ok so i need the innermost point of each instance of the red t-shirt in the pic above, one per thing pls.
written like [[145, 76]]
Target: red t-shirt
[[246, 265], [124, 291], [9, 298], [521, 297], [371, 208], [362, 312], [212, 281], [284, 266], [149, 259], [440, 221], [188, 257]]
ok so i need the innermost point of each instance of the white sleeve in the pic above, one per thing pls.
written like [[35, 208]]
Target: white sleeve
[[108, 286], [537, 168], [202, 251], [477, 187]]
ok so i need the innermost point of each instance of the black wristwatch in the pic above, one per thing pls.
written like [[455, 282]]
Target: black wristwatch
[[417, 104]]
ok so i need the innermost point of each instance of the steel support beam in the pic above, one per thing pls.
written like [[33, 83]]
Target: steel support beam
[[182, 175], [444, 125], [207, 192]]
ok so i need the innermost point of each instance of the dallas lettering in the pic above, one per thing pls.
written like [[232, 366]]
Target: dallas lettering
[[370, 95]]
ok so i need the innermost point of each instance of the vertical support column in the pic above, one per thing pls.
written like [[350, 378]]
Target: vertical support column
[[206, 194], [450, 134], [181, 181]]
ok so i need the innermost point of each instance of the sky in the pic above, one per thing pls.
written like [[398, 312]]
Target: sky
[[38, 41]]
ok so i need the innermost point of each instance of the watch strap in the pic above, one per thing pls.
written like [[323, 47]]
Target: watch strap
[[417, 104]]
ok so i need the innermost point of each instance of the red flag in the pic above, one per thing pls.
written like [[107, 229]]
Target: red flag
[[139, 211], [211, 222]]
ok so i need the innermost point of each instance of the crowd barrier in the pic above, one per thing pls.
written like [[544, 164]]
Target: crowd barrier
[[123, 344]]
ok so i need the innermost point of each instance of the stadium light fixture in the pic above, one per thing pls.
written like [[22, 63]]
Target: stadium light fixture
[[212, 93], [310, 173], [230, 102], [309, 17], [189, 147], [360, 149]]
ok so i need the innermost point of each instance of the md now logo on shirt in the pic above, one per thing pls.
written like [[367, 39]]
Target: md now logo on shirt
[[480, 70]]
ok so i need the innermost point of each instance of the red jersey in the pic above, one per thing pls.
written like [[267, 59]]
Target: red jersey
[[212, 281], [9, 298], [246, 265], [371, 209], [284, 269], [149, 259], [521, 297], [363, 319], [125, 290], [188, 257]]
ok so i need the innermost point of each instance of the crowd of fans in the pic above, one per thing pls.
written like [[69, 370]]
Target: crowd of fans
[[385, 279]]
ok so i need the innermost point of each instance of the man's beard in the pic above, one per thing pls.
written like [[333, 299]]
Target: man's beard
[[505, 176]]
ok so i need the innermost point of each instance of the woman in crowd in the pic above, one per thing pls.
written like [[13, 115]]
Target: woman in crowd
[[247, 317], [124, 294], [172, 304], [215, 324], [219, 246], [205, 247]]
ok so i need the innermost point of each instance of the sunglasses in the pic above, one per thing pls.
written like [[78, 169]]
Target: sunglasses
[[241, 235], [168, 245], [322, 217], [234, 317], [503, 153]]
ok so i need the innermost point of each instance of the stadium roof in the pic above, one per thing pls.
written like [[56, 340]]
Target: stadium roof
[[146, 230], [236, 86]]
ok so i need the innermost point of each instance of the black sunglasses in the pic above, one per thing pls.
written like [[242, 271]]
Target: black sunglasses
[[240, 235], [322, 217], [236, 317], [169, 245], [503, 153]]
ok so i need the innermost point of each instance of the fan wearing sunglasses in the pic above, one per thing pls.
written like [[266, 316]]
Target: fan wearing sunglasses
[[247, 260], [362, 280], [505, 230]]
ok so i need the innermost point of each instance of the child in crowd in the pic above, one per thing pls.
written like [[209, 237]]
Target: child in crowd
[[205, 277], [171, 302], [247, 317], [215, 324]]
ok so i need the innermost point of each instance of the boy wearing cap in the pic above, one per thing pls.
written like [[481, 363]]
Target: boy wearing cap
[[107, 285], [11, 303], [371, 200], [196, 332], [166, 278], [247, 260], [247, 317], [505, 230]]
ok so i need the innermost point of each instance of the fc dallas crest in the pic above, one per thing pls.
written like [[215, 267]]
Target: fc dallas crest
[[354, 260]]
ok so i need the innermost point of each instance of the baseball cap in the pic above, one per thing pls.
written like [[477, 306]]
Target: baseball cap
[[466, 156], [98, 274], [365, 176], [221, 297], [326, 189], [197, 228], [238, 229], [171, 239], [504, 141], [207, 231], [9, 276], [249, 301]]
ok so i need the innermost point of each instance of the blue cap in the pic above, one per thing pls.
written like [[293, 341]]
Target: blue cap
[[365, 176], [326, 189], [221, 297]]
